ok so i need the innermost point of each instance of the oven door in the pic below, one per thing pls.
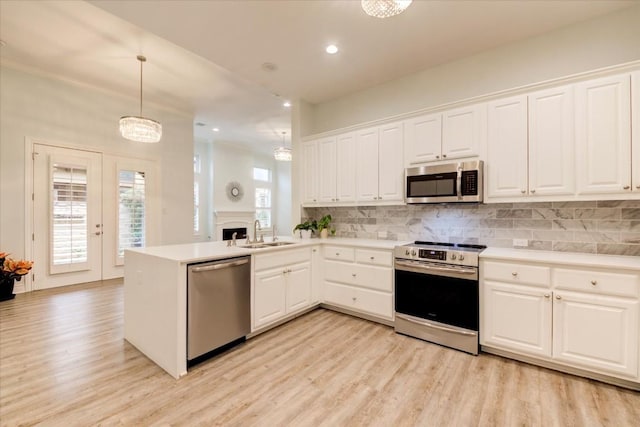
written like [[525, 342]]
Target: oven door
[[444, 294]]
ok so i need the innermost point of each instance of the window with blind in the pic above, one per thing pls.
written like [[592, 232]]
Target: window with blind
[[262, 178], [131, 216], [69, 204]]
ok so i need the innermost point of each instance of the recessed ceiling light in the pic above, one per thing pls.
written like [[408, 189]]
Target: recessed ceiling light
[[215, 130], [286, 104], [331, 49]]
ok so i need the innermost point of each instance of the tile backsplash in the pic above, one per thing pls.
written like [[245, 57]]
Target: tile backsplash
[[602, 227]]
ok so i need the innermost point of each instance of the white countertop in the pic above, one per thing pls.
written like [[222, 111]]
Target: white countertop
[[554, 257], [205, 251]]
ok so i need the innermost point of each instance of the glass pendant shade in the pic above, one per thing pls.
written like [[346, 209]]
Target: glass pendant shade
[[283, 154], [140, 129], [384, 8]]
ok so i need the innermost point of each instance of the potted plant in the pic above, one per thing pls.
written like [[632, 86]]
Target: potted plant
[[306, 228], [10, 272], [324, 226]]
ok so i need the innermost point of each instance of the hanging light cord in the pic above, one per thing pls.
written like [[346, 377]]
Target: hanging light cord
[[141, 59]]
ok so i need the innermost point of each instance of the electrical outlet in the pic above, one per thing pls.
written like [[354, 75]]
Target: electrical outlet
[[382, 234], [521, 242]]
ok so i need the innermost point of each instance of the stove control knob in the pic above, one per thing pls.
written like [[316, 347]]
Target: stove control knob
[[407, 252], [414, 253], [461, 257], [453, 256]]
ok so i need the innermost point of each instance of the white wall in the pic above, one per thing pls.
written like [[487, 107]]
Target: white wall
[[609, 40], [50, 109], [205, 150]]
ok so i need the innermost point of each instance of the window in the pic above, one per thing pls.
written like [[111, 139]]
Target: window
[[262, 178], [69, 230], [196, 194], [131, 218]]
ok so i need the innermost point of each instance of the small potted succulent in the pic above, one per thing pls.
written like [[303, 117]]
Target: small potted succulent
[[324, 226], [306, 228], [10, 272]]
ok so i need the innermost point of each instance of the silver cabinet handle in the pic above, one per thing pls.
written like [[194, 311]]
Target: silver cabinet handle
[[514, 274], [533, 191], [594, 282], [558, 297], [523, 191], [626, 187], [547, 296]]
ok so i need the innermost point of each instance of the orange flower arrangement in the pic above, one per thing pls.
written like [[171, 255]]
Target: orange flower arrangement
[[12, 269]]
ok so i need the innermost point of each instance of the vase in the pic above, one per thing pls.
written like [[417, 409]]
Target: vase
[[6, 289], [324, 233], [305, 234]]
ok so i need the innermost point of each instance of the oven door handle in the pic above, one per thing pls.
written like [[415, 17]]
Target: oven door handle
[[416, 267], [431, 325]]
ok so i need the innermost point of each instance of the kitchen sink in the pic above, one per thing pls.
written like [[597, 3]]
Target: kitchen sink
[[279, 243], [266, 245]]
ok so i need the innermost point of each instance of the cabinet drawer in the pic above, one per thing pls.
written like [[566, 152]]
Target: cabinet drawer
[[374, 257], [515, 273], [366, 276], [357, 299], [279, 258], [601, 282], [339, 253]]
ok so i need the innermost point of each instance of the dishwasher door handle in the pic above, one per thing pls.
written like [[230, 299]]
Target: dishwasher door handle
[[219, 266]]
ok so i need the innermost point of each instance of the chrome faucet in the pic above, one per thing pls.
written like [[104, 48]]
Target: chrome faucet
[[232, 242], [256, 227]]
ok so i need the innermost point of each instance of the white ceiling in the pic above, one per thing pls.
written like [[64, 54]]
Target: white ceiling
[[205, 57]]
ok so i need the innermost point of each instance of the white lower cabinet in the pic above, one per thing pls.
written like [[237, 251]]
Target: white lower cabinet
[[360, 280], [282, 285], [582, 317]]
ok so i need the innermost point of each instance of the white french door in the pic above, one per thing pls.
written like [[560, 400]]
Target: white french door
[[67, 216], [87, 209]]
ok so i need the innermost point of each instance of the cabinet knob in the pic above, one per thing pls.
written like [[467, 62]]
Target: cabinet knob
[[594, 282], [626, 187], [315, 250], [514, 274], [547, 296], [444, 156], [353, 274], [372, 258], [533, 191], [558, 297], [638, 186], [523, 191], [437, 157], [354, 299], [337, 253]]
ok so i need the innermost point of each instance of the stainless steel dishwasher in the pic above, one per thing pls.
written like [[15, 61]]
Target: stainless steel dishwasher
[[218, 305]]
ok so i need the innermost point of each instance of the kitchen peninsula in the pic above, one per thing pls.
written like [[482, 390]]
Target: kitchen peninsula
[[288, 277]]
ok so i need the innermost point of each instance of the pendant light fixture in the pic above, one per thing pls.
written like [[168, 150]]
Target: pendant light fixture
[[283, 154], [384, 8], [138, 128]]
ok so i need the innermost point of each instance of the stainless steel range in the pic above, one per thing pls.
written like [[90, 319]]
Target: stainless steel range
[[436, 293]]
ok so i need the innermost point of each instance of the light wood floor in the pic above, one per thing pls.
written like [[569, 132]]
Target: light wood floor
[[63, 361]]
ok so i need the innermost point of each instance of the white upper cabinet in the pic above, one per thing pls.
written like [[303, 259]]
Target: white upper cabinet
[[379, 165], [452, 134], [327, 173], [551, 142], [462, 131], [506, 167], [346, 168], [390, 170], [635, 149], [309, 171], [603, 135], [423, 139]]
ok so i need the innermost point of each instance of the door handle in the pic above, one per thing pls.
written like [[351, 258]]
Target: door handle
[[219, 266]]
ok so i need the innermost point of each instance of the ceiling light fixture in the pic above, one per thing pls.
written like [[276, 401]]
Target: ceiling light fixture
[[215, 130], [331, 49], [283, 154], [384, 8], [138, 128], [286, 104]]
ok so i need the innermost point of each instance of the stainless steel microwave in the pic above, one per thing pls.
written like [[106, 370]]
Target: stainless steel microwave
[[445, 183]]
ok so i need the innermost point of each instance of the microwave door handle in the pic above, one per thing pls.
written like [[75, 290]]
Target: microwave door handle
[[459, 182]]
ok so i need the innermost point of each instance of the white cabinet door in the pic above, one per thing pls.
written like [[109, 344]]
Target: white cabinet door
[[316, 274], [596, 332], [516, 317], [551, 142], [298, 279], [507, 147], [462, 131], [390, 170], [367, 164], [327, 170], [309, 171], [346, 168], [603, 135], [269, 297], [635, 125], [423, 139]]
